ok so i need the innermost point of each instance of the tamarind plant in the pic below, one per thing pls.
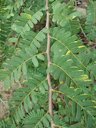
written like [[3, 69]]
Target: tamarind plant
[[52, 63]]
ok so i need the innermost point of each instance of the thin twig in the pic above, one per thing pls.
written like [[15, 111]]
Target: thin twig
[[3, 102], [49, 60]]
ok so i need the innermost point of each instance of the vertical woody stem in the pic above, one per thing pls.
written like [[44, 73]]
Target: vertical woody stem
[[48, 59]]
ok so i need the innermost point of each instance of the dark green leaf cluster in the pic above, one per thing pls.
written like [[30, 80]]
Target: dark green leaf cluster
[[72, 66]]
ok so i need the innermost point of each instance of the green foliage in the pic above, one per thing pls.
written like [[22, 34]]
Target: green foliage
[[27, 98], [73, 72], [91, 21], [38, 119]]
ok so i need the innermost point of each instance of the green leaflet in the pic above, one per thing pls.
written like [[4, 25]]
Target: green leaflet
[[41, 57], [35, 61], [24, 70]]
